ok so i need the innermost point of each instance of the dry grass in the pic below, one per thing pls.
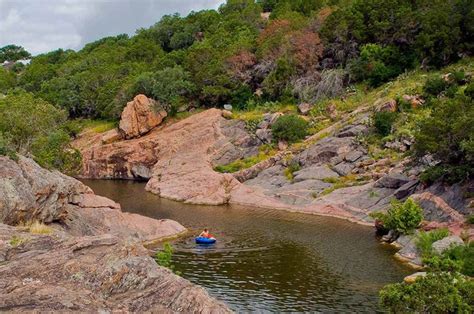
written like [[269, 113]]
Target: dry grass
[[37, 227]]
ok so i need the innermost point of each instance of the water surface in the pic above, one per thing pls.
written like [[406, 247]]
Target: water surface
[[269, 260]]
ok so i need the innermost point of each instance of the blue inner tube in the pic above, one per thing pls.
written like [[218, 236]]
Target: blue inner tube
[[202, 240]]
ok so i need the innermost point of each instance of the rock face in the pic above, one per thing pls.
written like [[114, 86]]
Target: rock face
[[93, 258], [336, 176], [90, 274], [140, 116]]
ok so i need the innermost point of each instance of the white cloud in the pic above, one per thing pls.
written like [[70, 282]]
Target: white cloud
[[45, 25]]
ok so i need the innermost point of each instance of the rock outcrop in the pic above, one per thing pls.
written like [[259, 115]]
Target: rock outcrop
[[90, 259], [334, 174], [90, 274], [140, 116]]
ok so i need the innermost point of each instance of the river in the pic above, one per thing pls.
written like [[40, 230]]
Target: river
[[270, 260]]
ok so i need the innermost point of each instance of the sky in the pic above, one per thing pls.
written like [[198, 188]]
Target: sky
[[44, 25]]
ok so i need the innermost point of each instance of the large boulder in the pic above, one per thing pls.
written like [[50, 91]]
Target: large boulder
[[140, 116]]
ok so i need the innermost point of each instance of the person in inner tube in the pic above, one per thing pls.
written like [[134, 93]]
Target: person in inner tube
[[206, 234]]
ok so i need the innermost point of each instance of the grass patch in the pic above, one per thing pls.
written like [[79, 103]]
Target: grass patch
[[266, 151], [291, 169], [37, 227], [16, 241], [342, 182]]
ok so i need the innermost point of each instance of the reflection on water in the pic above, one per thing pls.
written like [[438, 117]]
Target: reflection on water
[[270, 260]]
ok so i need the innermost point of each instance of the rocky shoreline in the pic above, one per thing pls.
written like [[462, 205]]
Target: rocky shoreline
[[82, 253], [335, 176]]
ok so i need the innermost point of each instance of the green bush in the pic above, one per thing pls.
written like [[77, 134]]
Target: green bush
[[165, 256], [53, 151], [291, 128], [469, 91], [401, 217], [383, 122], [425, 240], [6, 147], [440, 292], [448, 135], [464, 255], [434, 86]]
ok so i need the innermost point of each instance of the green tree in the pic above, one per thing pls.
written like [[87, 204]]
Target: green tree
[[25, 118], [13, 53]]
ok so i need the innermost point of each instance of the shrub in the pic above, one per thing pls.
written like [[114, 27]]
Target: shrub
[[401, 217], [38, 227], [6, 147], [291, 169], [383, 122], [164, 257], [448, 134], [469, 91], [470, 219], [464, 255], [440, 292], [434, 86], [291, 128], [425, 240], [53, 152]]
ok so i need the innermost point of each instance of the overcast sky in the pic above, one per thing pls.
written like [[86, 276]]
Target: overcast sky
[[45, 25]]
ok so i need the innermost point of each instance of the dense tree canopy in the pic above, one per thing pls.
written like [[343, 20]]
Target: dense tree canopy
[[13, 53], [307, 50]]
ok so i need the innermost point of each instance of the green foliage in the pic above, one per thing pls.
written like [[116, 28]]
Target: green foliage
[[293, 166], [291, 128], [13, 53], [440, 292], [52, 151], [383, 122], [469, 91], [434, 86], [402, 217], [459, 258], [6, 148], [165, 257], [425, 240], [470, 219], [7, 80], [448, 134], [25, 118], [265, 152], [377, 64]]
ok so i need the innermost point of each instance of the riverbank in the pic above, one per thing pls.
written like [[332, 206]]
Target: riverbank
[[63, 248]]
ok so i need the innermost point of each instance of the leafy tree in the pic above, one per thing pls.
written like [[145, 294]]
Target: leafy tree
[[25, 118], [171, 83], [448, 134], [13, 53], [7, 80]]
